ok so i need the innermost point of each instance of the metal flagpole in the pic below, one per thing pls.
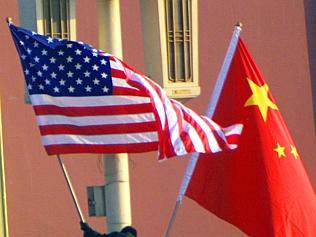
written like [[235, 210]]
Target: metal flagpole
[[73, 195], [211, 108]]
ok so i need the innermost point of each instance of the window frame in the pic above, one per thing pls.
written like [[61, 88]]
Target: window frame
[[71, 18]]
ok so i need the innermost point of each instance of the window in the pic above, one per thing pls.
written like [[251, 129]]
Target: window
[[179, 46], [170, 38], [56, 18]]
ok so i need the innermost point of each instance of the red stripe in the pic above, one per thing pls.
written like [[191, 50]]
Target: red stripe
[[98, 129], [86, 148], [93, 111], [128, 91], [199, 130], [233, 139], [118, 73], [222, 143]]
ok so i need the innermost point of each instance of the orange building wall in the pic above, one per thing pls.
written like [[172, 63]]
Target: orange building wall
[[39, 203]]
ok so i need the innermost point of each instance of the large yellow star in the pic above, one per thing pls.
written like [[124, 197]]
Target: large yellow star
[[260, 98], [280, 150], [294, 152]]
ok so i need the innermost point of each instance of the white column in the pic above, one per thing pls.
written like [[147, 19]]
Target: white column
[[117, 189]]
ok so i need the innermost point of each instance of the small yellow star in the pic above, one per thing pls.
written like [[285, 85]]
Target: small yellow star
[[280, 150], [294, 152], [260, 98]]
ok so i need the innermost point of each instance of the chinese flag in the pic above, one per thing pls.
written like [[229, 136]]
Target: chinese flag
[[261, 187]]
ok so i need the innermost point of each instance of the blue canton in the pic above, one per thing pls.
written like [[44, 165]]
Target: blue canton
[[59, 67]]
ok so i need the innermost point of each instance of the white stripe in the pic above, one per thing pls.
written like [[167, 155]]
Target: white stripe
[[173, 124], [41, 99], [235, 129], [100, 139], [205, 127], [195, 138], [116, 64], [217, 128], [118, 82], [155, 97], [94, 120]]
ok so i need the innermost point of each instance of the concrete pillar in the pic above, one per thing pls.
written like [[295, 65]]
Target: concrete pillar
[[117, 189]]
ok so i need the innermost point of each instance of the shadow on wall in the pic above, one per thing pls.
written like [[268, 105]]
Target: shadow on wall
[[310, 21]]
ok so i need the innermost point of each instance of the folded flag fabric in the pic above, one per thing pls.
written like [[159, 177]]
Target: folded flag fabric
[[88, 101]]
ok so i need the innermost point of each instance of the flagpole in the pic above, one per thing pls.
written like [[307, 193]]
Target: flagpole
[[209, 113], [73, 195]]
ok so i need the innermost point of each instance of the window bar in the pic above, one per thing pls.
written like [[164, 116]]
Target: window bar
[[169, 38], [51, 18], [184, 23], [61, 25], [189, 38], [67, 19], [174, 41]]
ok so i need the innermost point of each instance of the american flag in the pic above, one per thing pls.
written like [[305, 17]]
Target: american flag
[[87, 101]]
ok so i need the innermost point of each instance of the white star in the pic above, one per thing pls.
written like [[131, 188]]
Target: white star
[[56, 89], [61, 67], [36, 59], [70, 74], [52, 60], [88, 88], [60, 52], [41, 87], [86, 59], [78, 66], [45, 67], [23, 56], [35, 44], [95, 67], [53, 75], [29, 86], [95, 54], [104, 75], [103, 61], [21, 42], [69, 45], [105, 89], [26, 36], [27, 72], [69, 59], [86, 74], [47, 81], [78, 51], [79, 81], [31, 64], [39, 73], [33, 78], [71, 89], [44, 52], [96, 81], [50, 40], [62, 82], [28, 51]]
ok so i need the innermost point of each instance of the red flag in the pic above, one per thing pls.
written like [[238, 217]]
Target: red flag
[[261, 187]]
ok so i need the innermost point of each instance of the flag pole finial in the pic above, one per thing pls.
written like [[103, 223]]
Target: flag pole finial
[[238, 24], [9, 20]]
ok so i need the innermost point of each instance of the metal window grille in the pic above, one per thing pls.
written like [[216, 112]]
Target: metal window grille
[[179, 42], [56, 18]]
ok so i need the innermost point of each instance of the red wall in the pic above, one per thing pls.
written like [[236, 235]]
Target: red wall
[[39, 203]]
